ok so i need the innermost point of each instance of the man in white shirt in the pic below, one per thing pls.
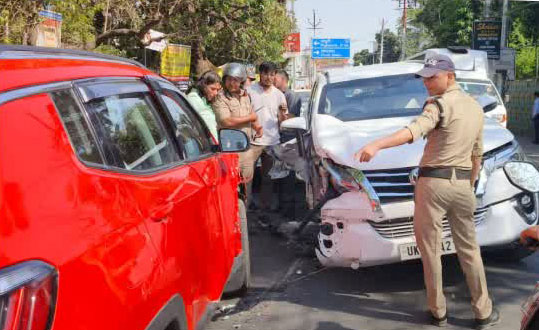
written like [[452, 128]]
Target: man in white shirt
[[269, 104]]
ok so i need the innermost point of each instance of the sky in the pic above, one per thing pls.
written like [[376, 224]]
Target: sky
[[358, 20]]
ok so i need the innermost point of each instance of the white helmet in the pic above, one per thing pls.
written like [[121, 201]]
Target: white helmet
[[235, 70]]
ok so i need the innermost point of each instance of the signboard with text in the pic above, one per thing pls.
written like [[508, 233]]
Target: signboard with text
[[292, 43], [176, 64], [330, 48], [49, 30], [487, 37]]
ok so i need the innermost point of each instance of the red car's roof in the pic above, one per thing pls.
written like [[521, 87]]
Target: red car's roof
[[26, 66]]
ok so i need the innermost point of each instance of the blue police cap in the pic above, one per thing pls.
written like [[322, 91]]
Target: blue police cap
[[434, 64]]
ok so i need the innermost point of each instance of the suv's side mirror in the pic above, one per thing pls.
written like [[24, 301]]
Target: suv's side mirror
[[294, 124], [506, 98], [233, 140], [487, 102]]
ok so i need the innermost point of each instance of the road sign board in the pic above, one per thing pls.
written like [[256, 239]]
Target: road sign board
[[487, 36], [330, 48]]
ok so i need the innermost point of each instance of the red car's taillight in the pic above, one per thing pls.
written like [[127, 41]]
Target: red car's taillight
[[27, 296]]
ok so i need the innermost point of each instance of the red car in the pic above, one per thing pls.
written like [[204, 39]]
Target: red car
[[118, 210]]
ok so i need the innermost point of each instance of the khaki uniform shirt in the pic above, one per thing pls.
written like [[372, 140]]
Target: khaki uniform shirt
[[453, 138], [226, 106]]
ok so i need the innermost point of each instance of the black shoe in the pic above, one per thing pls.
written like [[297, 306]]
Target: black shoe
[[439, 322], [493, 319]]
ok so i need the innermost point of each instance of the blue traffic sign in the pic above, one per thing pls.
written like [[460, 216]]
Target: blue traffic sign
[[330, 48]]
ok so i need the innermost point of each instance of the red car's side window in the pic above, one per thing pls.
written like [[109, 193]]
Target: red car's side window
[[77, 128], [189, 131], [129, 124]]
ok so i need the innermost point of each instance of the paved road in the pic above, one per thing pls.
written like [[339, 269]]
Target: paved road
[[291, 291]]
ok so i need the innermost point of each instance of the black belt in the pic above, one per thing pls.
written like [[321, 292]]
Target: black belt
[[445, 173]]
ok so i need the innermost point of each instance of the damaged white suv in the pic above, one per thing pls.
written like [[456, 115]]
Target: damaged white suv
[[367, 208]]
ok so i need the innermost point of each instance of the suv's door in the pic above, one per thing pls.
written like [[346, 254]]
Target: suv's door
[[219, 171], [172, 198], [109, 257], [313, 183], [202, 229]]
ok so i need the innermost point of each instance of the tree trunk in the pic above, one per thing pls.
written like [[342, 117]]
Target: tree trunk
[[6, 32], [200, 62]]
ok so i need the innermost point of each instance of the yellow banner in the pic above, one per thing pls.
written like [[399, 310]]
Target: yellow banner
[[176, 62]]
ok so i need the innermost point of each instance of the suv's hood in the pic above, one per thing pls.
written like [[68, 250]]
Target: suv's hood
[[339, 141]]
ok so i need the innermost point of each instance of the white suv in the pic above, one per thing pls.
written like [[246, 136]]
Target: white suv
[[367, 209]]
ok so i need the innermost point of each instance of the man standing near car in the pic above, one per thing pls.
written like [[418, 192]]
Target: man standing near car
[[233, 109], [452, 123], [287, 152], [269, 104]]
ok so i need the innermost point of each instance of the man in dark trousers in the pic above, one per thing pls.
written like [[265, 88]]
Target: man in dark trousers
[[287, 187], [452, 123]]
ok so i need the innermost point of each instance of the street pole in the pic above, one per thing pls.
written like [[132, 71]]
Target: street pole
[[315, 25], [487, 8], [404, 22], [504, 23], [382, 43]]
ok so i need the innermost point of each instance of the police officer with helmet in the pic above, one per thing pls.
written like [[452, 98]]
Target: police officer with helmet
[[233, 109], [452, 123]]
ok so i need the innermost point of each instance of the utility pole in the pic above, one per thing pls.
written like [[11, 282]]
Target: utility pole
[[503, 40], [405, 5], [382, 43], [404, 21], [487, 8], [314, 25]]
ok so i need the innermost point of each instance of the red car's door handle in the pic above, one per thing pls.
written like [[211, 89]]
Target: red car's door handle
[[162, 212]]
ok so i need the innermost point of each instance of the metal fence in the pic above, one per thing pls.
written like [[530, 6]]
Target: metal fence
[[519, 107]]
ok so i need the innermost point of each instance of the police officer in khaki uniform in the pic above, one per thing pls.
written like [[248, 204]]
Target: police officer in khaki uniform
[[233, 109], [452, 123]]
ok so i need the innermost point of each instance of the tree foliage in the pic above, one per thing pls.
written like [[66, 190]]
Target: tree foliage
[[392, 47], [362, 58], [449, 22], [218, 31]]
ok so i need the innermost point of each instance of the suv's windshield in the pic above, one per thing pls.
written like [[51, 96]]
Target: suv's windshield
[[479, 88], [380, 97]]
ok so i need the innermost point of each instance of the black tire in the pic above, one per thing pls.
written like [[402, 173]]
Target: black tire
[[240, 281]]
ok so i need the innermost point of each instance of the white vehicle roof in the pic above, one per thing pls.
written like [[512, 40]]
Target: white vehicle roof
[[372, 71], [470, 65]]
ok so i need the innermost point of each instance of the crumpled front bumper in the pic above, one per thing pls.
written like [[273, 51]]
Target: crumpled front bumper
[[348, 238]]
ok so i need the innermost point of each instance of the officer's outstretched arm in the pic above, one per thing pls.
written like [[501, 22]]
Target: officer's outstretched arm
[[398, 138]]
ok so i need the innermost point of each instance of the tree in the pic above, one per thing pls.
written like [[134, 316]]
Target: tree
[[362, 57], [418, 37], [218, 31], [448, 22], [18, 20], [392, 47]]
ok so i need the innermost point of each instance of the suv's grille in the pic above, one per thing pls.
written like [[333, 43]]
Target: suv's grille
[[391, 185], [404, 227]]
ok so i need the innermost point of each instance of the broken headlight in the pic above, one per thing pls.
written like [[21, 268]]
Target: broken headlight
[[497, 158], [347, 179]]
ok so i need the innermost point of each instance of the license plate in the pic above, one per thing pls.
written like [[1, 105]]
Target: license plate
[[411, 251]]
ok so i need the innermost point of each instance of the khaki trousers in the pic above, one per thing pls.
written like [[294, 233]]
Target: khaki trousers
[[434, 199]]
